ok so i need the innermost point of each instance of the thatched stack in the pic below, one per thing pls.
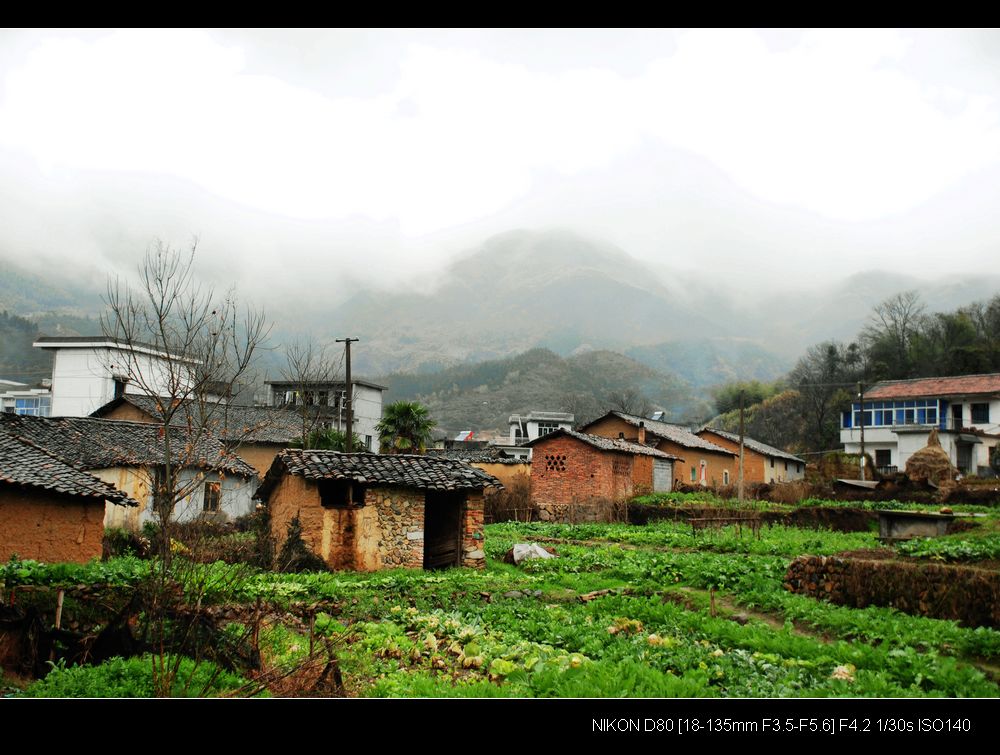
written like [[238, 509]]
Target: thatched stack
[[931, 463]]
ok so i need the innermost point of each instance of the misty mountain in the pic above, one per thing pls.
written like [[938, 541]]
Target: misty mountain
[[482, 396], [711, 361], [522, 290]]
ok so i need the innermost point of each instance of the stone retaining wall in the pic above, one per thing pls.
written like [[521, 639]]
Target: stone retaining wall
[[965, 594]]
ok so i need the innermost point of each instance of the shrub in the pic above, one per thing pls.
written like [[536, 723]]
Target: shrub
[[512, 504], [122, 542], [295, 555]]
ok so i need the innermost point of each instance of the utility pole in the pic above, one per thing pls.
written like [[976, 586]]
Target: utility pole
[[740, 486], [349, 433], [861, 396]]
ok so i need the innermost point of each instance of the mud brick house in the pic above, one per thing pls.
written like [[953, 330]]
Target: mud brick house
[[50, 511], [761, 462], [574, 476], [369, 512], [130, 455], [701, 462], [506, 468], [257, 433]]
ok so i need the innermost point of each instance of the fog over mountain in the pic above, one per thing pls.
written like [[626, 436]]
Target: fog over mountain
[[707, 202]]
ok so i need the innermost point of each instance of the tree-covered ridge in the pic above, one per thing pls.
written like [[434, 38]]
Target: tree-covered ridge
[[484, 395], [900, 341]]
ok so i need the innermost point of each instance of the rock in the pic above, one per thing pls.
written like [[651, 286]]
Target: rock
[[514, 594], [740, 618], [479, 553]]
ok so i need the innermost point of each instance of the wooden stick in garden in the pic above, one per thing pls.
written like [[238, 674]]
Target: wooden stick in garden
[[59, 605]]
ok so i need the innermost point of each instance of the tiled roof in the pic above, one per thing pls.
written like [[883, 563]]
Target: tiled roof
[[936, 386], [87, 443], [674, 433], [233, 422], [753, 445], [476, 455], [23, 464], [606, 444], [398, 470]]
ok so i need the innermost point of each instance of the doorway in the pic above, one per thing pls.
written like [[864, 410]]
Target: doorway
[[443, 515]]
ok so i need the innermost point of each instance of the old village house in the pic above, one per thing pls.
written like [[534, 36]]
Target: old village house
[[703, 463], [580, 477], [368, 512], [130, 455], [50, 511]]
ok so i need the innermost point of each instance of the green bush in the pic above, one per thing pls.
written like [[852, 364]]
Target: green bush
[[133, 677]]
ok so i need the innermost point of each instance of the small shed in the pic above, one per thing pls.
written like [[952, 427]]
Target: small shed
[[50, 511], [368, 512], [571, 470]]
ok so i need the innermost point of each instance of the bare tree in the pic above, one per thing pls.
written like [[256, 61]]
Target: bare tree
[[311, 369], [190, 349], [890, 331], [630, 401]]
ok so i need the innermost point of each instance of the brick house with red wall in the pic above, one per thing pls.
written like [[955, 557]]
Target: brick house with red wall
[[761, 462], [699, 461], [578, 477]]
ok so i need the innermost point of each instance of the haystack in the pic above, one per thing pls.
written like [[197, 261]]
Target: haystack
[[931, 463]]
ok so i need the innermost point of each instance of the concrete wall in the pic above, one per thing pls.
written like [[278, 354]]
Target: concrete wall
[[48, 526], [83, 378]]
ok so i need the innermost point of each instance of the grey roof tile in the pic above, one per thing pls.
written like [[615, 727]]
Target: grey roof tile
[[606, 444], [23, 464], [399, 470]]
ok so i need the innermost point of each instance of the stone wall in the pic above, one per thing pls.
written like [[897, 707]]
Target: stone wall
[[400, 525], [473, 539], [968, 595], [47, 526]]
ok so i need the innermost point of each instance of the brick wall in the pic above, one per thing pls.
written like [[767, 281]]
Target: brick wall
[[47, 526], [567, 473]]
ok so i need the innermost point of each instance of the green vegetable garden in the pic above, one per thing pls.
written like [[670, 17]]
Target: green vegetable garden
[[659, 610]]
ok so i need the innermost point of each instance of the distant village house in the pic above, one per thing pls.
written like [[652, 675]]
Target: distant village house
[[700, 462], [761, 462]]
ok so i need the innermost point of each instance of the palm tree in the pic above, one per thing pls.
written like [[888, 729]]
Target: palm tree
[[405, 428]]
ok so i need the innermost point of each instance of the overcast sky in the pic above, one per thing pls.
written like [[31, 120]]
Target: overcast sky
[[303, 158]]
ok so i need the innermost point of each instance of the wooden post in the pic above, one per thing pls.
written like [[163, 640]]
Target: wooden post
[[59, 606]]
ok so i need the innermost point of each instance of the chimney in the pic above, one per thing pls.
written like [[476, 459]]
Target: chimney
[[642, 433]]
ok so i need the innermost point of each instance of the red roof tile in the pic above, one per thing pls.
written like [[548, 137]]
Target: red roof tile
[[937, 386]]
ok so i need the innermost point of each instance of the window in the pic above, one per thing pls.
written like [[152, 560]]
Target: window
[[337, 493], [555, 462], [368, 442], [694, 475], [980, 414], [883, 457], [772, 462], [546, 429], [36, 406], [786, 466], [725, 476], [213, 494]]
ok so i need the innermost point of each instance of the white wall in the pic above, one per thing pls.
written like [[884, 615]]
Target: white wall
[[236, 499], [83, 378]]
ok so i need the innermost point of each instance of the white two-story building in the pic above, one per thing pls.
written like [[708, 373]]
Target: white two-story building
[[898, 416], [90, 371]]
